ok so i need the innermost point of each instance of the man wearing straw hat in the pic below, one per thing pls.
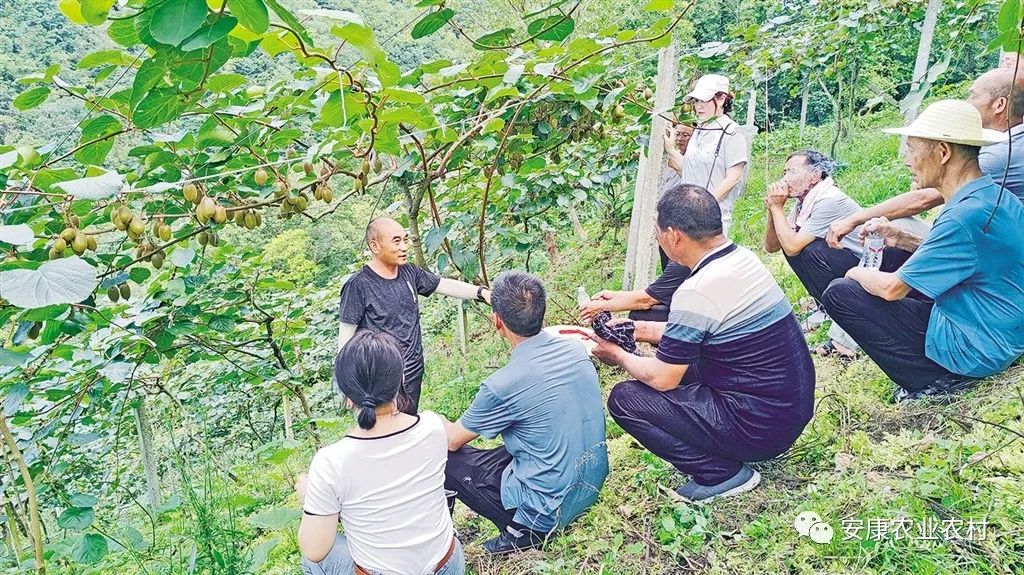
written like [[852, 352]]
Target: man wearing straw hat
[[971, 265]]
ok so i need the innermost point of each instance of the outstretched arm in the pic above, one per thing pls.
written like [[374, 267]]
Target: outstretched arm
[[904, 205], [615, 301], [345, 333], [461, 290]]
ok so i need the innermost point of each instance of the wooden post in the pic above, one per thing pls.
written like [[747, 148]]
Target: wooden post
[[803, 104], [460, 321], [642, 249], [289, 433], [145, 432]]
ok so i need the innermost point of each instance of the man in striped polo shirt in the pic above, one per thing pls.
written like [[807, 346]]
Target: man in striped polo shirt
[[733, 380]]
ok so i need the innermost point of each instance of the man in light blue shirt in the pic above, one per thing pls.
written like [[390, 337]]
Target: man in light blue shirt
[[971, 265], [546, 405]]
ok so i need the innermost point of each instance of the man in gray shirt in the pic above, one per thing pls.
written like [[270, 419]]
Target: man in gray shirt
[[547, 407]]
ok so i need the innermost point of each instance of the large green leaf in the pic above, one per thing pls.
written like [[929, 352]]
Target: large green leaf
[[76, 518], [150, 73], [73, 10], [554, 28], [432, 23], [158, 107], [105, 58], [31, 98], [251, 13], [175, 20], [496, 38], [94, 129], [275, 518], [123, 32], [91, 549], [207, 35], [94, 12]]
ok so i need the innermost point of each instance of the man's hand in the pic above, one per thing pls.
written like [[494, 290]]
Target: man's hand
[[300, 488], [776, 195], [883, 227], [486, 294], [596, 305], [669, 137], [839, 230], [607, 352]]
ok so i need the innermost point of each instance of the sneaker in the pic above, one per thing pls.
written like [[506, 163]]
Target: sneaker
[[946, 386], [744, 480], [511, 540]]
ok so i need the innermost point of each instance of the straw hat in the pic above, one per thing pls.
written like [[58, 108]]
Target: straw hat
[[953, 121], [707, 87]]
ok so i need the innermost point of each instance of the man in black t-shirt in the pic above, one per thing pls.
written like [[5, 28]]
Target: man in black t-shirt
[[650, 304], [383, 296]]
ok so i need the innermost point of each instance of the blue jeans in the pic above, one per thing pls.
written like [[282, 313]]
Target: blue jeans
[[339, 562]]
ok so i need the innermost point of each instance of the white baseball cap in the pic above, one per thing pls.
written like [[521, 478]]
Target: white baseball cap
[[953, 121], [707, 87]]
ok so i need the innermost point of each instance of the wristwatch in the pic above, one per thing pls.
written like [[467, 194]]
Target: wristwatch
[[480, 294]]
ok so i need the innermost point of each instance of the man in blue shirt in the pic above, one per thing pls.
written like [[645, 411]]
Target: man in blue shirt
[[546, 405], [971, 265]]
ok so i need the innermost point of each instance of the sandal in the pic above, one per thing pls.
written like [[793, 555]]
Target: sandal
[[829, 349]]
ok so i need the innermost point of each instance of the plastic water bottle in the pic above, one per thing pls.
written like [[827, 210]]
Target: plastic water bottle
[[582, 297], [874, 245]]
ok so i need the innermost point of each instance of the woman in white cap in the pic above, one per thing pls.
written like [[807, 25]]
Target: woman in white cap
[[716, 156]]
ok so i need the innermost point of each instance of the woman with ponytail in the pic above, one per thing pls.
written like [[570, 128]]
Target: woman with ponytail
[[384, 480], [715, 158]]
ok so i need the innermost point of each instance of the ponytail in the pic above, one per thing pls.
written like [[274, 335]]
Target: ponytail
[[369, 371], [727, 104]]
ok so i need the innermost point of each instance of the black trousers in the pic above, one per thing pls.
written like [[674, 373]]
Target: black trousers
[[657, 312], [475, 477], [817, 265], [678, 426], [409, 395], [892, 333]]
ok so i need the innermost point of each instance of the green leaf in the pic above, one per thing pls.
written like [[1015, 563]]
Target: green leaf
[[31, 98], [1009, 15], [76, 518], [428, 3], [104, 58], [658, 5], [495, 39], [139, 274], [251, 13], [73, 10], [91, 549], [123, 32], [83, 500], [65, 280], [292, 22], [224, 83], [555, 28], [275, 518], [12, 359], [175, 20], [94, 12], [158, 107], [432, 23], [222, 324], [150, 73], [96, 129], [207, 35], [403, 96]]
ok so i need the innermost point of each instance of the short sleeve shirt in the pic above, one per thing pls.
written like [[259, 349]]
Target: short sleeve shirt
[[389, 493], [370, 301], [995, 161], [732, 325], [668, 282], [547, 407], [715, 147], [976, 278], [828, 209]]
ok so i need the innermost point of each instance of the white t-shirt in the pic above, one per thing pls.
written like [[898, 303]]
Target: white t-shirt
[[389, 492]]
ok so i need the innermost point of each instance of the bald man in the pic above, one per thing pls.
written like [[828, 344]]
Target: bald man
[[383, 297], [1001, 110]]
